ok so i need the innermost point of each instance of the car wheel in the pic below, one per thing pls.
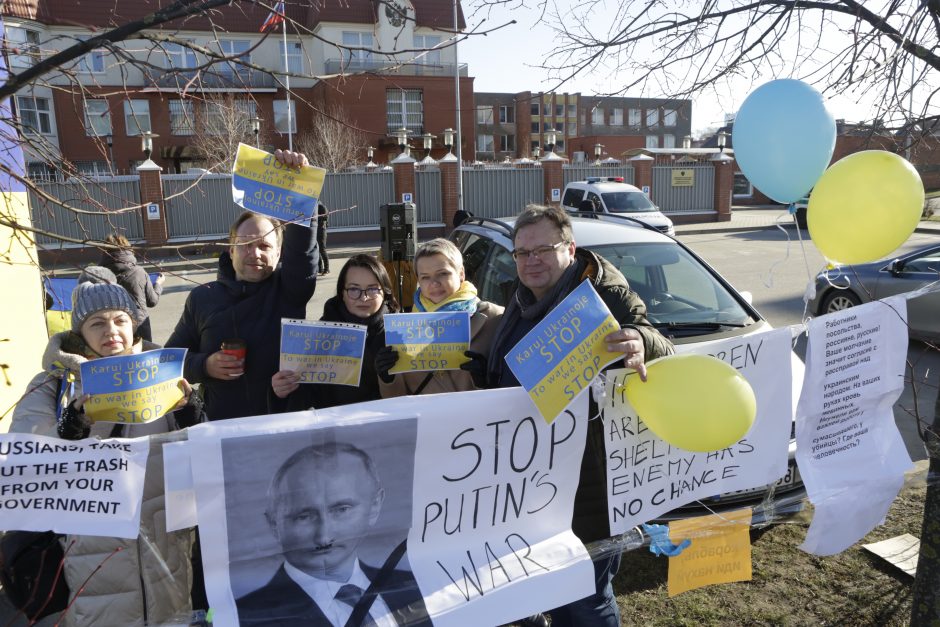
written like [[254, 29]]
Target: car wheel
[[838, 300]]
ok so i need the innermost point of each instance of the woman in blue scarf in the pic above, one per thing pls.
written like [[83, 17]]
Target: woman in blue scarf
[[442, 286]]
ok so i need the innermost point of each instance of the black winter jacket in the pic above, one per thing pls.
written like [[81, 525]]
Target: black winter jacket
[[132, 277], [228, 308]]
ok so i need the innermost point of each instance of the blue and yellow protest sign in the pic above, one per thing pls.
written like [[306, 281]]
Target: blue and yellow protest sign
[[262, 184], [557, 360], [428, 341], [323, 352], [133, 389]]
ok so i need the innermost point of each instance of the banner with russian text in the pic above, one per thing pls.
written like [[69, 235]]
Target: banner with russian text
[[91, 486], [262, 184], [428, 341], [133, 389], [323, 352], [556, 361]]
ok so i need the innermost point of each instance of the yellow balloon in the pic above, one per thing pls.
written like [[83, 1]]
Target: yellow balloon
[[865, 206], [696, 402]]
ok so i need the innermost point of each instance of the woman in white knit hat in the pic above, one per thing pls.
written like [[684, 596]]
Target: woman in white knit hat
[[140, 582]]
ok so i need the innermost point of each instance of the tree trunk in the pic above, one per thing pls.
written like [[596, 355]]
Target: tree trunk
[[925, 609]]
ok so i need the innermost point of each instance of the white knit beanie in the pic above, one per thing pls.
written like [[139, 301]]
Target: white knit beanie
[[97, 290]]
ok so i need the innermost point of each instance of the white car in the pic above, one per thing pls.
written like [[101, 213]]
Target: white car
[[612, 195]]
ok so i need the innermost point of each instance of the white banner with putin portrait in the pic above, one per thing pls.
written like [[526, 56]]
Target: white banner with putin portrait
[[412, 511]]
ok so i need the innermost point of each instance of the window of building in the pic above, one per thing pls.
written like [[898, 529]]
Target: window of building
[[26, 42], [226, 117], [97, 118], [742, 186], [616, 117], [559, 110], [181, 117], [281, 124], [536, 110], [358, 50], [40, 171], [652, 141], [670, 117], [572, 128], [597, 116], [560, 127], [533, 145], [536, 128], [572, 110], [405, 109], [136, 116], [652, 118], [235, 49], [559, 145], [669, 141], [430, 56], [507, 114], [91, 62], [634, 118], [484, 115], [179, 57], [292, 56], [34, 114], [547, 126], [507, 143], [484, 143]]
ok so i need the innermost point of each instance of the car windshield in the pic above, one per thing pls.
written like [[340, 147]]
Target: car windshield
[[627, 202], [683, 298]]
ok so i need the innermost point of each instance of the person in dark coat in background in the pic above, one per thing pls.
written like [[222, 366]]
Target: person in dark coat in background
[[363, 296], [323, 220], [123, 263], [259, 282]]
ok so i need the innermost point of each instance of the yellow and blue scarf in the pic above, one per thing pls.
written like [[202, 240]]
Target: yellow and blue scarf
[[464, 299]]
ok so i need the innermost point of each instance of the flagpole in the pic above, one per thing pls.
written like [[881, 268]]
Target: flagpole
[[290, 123], [459, 138]]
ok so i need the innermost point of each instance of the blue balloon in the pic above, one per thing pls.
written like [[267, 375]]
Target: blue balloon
[[783, 139]]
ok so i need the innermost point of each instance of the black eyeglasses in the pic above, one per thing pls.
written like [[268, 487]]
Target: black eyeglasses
[[356, 293], [521, 254]]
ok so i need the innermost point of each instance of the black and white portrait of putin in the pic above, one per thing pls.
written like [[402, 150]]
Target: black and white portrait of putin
[[322, 501]]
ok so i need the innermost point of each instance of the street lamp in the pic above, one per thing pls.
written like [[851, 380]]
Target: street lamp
[[370, 151], [598, 151], [536, 152], [402, 136], [109, 140], [428, 139], [146, 143], [687, 142], [550, 140], [449, 139], [722, 141], [256, 128]]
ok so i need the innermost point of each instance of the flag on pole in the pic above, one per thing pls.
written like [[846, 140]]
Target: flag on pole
[[274, 18]]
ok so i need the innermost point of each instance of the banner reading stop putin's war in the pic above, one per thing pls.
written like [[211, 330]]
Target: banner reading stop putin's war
[[133, 389], [323, 352], [428, 341], [262, 184], [556, 361]]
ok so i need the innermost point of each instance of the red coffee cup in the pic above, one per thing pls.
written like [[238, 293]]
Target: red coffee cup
[[235, 348]]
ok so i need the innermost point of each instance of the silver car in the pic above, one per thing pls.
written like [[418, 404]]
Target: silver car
[[687, 300], [848, 286]]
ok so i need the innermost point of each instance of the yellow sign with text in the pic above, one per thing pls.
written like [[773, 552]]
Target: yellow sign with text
[[683, 177], [720, 551]]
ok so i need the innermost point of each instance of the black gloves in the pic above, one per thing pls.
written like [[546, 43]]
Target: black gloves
[[73, 425], [476, 367], [385, 360], [193, 413]]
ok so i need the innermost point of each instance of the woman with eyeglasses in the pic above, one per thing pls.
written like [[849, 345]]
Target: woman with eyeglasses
[[363, 296], [442, 287]]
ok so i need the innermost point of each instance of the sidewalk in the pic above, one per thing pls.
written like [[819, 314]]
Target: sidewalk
[[757, 218]]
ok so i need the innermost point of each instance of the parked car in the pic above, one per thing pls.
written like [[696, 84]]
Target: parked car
[[848, 286], [612, 195], [687, 300]]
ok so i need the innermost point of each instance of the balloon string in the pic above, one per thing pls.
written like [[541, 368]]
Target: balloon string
[[799, 235]]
